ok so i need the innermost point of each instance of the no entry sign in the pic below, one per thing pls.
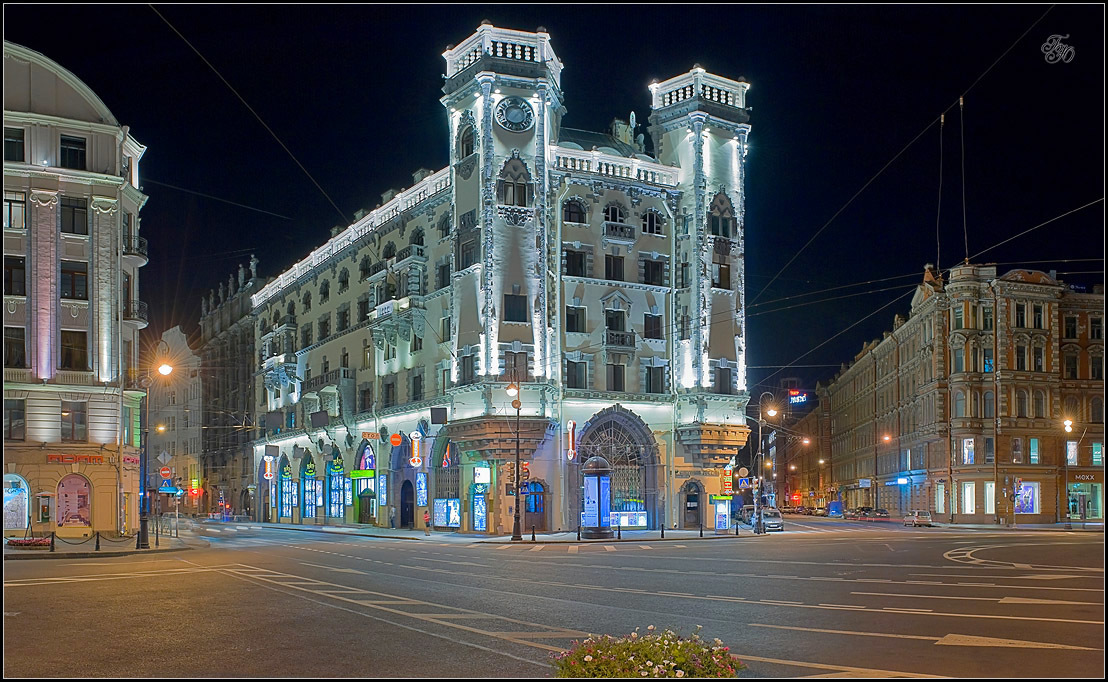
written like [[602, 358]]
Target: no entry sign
[[166, 472]]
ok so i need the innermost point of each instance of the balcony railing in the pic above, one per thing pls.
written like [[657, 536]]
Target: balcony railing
[[331, 378], [619, 231], [619, 339], [136, 311], [136, 247]]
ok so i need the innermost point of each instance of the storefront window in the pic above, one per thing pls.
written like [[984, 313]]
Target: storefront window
[[1027, 498], [1098, 455], [312, 495], [16, 503], [990, 497], [288, 492], [940, 498], [1085, 497], [967, 451], [968, 498], [74, 501], [337, 487]]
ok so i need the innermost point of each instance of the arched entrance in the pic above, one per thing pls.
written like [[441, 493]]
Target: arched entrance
[[407, 505], [692, 500], [17, 502], [621, 437], [534, 508]]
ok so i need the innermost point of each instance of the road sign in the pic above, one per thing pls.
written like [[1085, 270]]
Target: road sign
[[166, 472], [743, 483], [395, 439], [164, 457]]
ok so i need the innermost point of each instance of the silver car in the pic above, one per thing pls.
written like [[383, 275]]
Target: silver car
[[771, 520], [917, 517]]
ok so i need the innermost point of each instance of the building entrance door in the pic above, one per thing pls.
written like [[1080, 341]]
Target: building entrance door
[[407, 505], [692, 507], [534, 508]]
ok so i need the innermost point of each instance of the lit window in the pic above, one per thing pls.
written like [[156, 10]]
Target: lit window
[[15, 211], [1033, 450], [73, 422]]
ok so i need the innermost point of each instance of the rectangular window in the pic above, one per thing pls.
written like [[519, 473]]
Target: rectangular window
[[15, 276], [74, 215], [1096, 367], [325, 327], [14, 424], [1070, 329], [655, 378], [1017, 450], [467, 368], [417, 387], [1071, 366], [989, 452], [343, 319], [1027, 498], [969, 491], [388, 393], [614, 320], [417, 344], [367, 399], [723, 380], [613, 268], [468, 250], [74, 282], [990, 497], [721, 272], [958, 323], [575, 374], [15, 211], [74, 429], [575, 319], [445, 329], [74, 351], [1021, 314], [652, 326], [13, 145], [1038, 316], [15, 347], [575, 264], [1098, 454], [1033, 450], [967, 451], [1021, 358], [1071, 452], [653, 272], [442, 276], [515, 366], [940, 498], [515, 308], [363, 310], [615, 378], [72, 152], [959, 361], [306, 336], [987, 318], [1096, 328], [1037, 356], [988, 360]]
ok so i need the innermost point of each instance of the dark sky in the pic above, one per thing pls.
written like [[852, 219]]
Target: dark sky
[[837, 93]]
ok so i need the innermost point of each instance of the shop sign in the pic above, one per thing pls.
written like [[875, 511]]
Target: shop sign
[[482, 475], [863, 482], [1088, 477], [726, 480], [363, 473], [682, 474], [720, 498], [128, 459], [370, 435], [421, 489], [69, 459]]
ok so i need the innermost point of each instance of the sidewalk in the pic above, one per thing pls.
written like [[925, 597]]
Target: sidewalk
[[70, 548]]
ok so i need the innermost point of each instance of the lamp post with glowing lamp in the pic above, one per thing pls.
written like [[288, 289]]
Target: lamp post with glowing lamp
[[513, 391], [164, 369], [763, 411]]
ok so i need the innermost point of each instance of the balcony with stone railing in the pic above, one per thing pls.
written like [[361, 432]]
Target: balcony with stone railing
[[618, 339], [607, 165], [619, 232], [335, 377], [136, 313], [135, 250], [707, 88], [491, 47]]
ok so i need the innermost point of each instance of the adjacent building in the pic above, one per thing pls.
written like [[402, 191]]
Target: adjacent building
[[173, 427], [961, 408], [72, 310], [603, 280]]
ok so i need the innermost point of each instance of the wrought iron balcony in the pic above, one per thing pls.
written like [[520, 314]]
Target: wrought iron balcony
[[137, 313], [135, 249]]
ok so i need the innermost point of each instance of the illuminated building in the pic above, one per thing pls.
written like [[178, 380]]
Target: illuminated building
[[174, 421], [72, 311], [608, 282]]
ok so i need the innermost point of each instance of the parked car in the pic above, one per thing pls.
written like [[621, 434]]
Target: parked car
[[863, 512], [819, 511], [881, 513], [746, 513], [771, 519], [917, 517]]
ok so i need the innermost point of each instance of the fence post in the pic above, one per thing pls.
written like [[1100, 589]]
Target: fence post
[[702, 530], [97, 541], [532, 534], [136, 540], [52, 535]]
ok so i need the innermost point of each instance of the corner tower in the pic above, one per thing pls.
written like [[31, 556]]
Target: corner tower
[[699, 123]]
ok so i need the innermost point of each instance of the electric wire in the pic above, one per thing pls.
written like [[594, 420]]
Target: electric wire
[[939, 204], [209, 196], [962, 131]]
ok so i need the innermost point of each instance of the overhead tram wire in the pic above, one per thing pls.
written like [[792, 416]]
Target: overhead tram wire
[[898, 154], [962, 131], [209, 196]]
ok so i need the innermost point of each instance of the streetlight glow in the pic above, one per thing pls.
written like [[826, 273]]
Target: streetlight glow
[[512, 389], [772, 412], [165, 369]]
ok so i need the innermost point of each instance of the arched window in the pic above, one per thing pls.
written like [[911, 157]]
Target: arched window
[[535, 499], [614, 213], [324, 291], [389, 251], [989, 405], [363, 269], [959, 404], [338, 488], [1096, 409], [573, 212], [651, 222], [721, 218], [1040, 404], [1021, 403], [417, 237], [286, 499], [344, 280], [444, 226], [313, 495], [290, 310], [466, 142], [307, 302], [514, 187]]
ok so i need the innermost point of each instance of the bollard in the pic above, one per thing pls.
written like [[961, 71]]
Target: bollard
[[532, 533], [136, 540], [736, 528], [702, 530], [663, 526], [97, 541], [52, 535], [578, 533], [619, 532]]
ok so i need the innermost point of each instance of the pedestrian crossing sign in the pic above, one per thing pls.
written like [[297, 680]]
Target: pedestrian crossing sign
[[743, 483]]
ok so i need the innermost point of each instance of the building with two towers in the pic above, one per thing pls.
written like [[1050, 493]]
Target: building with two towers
[[606, 282]]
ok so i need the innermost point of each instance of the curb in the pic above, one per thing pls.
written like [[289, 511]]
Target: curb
[[12, 556]]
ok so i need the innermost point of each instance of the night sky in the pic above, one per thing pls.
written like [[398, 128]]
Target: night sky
[[837, 94]]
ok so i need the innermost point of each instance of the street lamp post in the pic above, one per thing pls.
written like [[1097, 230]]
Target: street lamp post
[[513, 390], [772, 411], [165, 369]]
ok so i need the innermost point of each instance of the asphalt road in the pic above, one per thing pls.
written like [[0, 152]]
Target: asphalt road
[[824, 598]]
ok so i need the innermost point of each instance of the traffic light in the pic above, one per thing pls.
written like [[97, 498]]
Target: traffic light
[[524, 471], [511, 474]]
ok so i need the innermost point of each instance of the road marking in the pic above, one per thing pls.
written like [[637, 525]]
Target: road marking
[[841, 606], [780, 601], [537, 548], [973, 640], [1025, 600], [843, 632], [503, 547], [905, 610], [999, 600], [574, 549], [609, 548], [645, 547], [852, 671]]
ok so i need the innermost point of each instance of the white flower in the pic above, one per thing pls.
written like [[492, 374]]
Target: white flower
[[634, 635], [649, 627], [643, 673], [680, 673], [588, 658]]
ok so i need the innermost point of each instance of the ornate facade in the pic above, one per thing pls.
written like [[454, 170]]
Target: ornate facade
[[606, 282], [72, 312]]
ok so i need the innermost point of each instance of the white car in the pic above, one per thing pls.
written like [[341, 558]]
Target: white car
[[917, 517]]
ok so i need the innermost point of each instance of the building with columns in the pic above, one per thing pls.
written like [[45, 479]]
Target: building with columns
[[961, 408], [72, 310], [606, 281]]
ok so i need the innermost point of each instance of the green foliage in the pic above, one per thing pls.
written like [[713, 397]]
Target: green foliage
[[655, 654]]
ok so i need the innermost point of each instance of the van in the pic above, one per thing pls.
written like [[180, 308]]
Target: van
[[917, 517]]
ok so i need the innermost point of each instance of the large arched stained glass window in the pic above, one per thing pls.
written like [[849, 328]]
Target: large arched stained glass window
[[287, 495], [74, 501], [313, 496], [338, 488]]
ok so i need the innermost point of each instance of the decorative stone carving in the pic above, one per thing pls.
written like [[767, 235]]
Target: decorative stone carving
[[466, 167], [44, 198], [105, 205]]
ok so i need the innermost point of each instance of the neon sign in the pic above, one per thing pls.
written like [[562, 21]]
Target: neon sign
[[571, 432], [796, 396]]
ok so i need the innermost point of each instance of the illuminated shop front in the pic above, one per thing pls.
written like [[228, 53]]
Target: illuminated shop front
[[364, 480], [448, 501], [1085, 496], [339, 490], [17, 503]]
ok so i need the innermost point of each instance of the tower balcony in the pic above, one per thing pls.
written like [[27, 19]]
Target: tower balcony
[[136, 313], [135, 251]]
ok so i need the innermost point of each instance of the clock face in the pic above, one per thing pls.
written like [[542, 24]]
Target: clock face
[[515, 114]]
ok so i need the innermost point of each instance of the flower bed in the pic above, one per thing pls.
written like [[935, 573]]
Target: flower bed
[[655, 654], [29, 543]]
